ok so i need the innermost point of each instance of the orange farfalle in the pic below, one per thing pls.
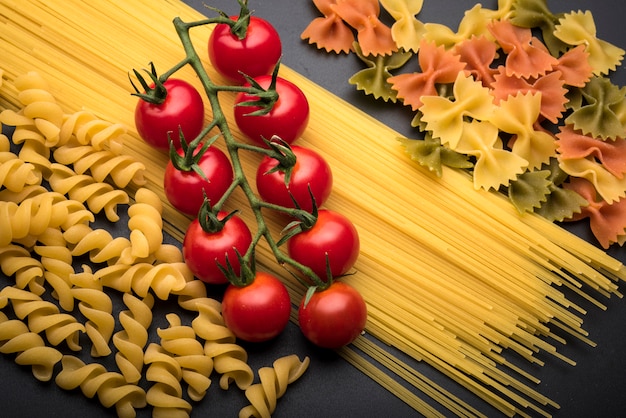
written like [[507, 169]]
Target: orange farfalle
[[574, 67], [607, 221], [374, 37], [478, 53], [329, 32], [527, 56], [551, 87], [612, 153], [438, 65]]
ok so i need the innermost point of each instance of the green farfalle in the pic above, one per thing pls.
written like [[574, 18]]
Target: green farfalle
[[530, 190], [431, 154], [599, 110], [536, 14], [561, 204], [373, 80]]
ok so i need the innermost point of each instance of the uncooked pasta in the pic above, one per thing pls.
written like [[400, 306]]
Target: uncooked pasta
[[452, 276]]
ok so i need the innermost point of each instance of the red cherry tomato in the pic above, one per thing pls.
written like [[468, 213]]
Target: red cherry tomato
[[185, 189], [332, 236], [254, 55], [311, 170], [258, 311], [205, 251], [287, 119], [182, 108], [333, 317]]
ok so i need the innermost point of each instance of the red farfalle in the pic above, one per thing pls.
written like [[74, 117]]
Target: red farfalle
[[329, 32], [551, 87], [374, 37], [607, 221], [574, 67], [611, 153], [478, 53], [438, 65], [527, 56]]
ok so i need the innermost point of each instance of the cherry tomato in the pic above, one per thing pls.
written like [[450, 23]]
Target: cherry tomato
[[182, 108], [332, 236], [205, 251], [258, 311], [185, 190], [333, 317], [287, 119], [254, 55], [311, 170]]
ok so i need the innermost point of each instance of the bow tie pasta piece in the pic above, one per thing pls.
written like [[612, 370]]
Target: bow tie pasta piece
[[445, 117], [494, 166], [329, 32], [375, 79], [611, 153], [407, 30], [536, 14], [526, 56], [600, 113], [574, 67], [478, 53], [438, 65], [29, 348], [607, 221], [551, 87], [373, 36], [518, 116], [110, 387], [579, 28], [608, 186], [273, 384], [475, 22]]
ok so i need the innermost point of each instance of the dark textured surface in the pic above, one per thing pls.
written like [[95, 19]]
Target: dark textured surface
[[332, 387]]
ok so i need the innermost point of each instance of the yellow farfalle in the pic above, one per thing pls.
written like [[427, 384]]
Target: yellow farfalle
[[407, 30], [473, 23], [494, 166], [578, 28], [444, 117], [518, 116], [610, 187]]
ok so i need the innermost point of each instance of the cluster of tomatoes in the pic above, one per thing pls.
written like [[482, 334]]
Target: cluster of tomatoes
[[198, 175]]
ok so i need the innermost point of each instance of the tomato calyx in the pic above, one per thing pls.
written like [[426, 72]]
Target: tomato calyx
[[191, 154], [208, 218], [281, 152], [155, 93], [264, 98], [238, 26]]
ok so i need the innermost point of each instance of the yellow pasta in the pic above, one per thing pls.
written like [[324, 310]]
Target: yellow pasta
[[17, 261], [470, 277], [94, 380], [180, 341], [166, 392], [57, 263], [15, 173], [29, 347], [99, 244], [273, 385], [146, 226], [132, 339]]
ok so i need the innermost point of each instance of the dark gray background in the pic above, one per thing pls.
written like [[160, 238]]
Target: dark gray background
[[332, 387]]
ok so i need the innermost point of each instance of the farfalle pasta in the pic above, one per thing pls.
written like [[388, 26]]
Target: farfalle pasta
[[478, 54], [329, 32], [578, 28], [475, 22], [133, 337], [28, 347], [264, 395], [406, 29], [93, 379]]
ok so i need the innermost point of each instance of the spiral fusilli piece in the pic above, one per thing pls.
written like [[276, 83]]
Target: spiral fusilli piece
[[97, 196], [88, 129], [44, 316], [146, 226], [181, 343], [166, 393], [15, 173], [17, 261], [98, 243], [133, 337], [273, 384], [29, 348], [110, 387]]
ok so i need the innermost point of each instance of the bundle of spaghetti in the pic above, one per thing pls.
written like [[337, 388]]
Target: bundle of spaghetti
[[452, 276]]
